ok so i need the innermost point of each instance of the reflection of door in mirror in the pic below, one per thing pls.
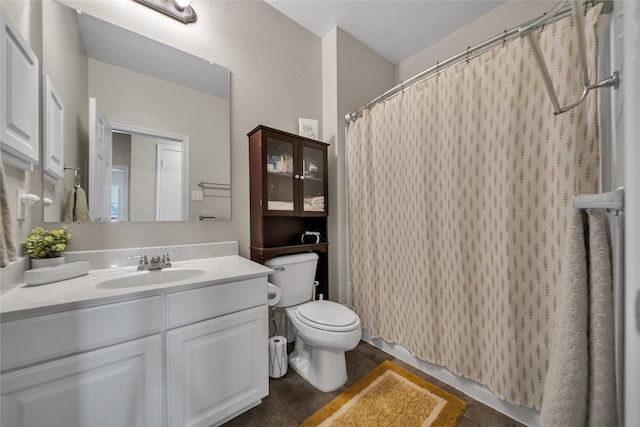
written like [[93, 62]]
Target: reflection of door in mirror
[[100, 146], [169, 183], [155, 186], [119, 190]]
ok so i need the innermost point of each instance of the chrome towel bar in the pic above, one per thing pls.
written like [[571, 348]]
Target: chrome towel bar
[[612, 200]]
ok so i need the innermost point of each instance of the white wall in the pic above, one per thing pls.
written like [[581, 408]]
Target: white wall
[[353, 74], [275, 78], [504, 17]]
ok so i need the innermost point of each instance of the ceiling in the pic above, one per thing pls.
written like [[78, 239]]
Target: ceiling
[[395, 29]]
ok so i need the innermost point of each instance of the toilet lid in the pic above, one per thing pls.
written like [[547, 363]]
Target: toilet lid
[[327, 315]]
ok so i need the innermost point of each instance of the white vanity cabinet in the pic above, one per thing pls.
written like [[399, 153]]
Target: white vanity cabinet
[[188, 357], [120, 385], [95, 366], [216, 368]]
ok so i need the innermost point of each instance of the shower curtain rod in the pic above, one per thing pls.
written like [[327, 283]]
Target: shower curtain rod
[[560, 10]]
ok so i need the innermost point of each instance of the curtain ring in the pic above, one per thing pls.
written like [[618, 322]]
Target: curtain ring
[[468, 54], [504, 38], [437, 68]]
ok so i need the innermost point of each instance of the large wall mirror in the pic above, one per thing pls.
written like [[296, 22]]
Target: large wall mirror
[[133, 130]]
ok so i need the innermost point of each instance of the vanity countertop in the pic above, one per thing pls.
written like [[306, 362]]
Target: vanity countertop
[[26, 301]]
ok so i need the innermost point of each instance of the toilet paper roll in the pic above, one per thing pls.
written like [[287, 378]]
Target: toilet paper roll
[[277, 356], [273, 294]]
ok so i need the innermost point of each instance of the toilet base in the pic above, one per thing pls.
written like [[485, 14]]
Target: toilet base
[[325, 369]]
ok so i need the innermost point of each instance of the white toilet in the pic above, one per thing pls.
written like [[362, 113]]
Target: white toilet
[[324, 330]]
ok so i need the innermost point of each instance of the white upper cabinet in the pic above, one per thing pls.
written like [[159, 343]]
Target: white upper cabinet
[[19, 116], [53, 129]]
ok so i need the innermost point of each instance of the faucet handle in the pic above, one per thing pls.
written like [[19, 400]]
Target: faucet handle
[[166, 261], [144, 262]]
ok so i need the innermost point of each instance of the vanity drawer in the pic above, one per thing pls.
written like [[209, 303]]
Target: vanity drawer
[[31, 340], [204, 303]]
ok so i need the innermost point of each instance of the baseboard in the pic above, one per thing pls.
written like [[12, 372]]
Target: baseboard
[[479, 392]]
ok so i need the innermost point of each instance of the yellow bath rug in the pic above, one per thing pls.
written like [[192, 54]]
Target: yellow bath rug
[[390, 396]]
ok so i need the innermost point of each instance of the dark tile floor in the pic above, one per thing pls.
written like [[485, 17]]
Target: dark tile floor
[[291, 399]]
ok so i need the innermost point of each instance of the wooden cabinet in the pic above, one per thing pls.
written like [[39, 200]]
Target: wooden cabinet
[[289, 196]]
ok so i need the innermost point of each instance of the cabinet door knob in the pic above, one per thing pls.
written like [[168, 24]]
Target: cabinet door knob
[[302, 177], [297, 177]]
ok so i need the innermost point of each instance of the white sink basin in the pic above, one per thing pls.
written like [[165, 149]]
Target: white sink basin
[[149, 277]]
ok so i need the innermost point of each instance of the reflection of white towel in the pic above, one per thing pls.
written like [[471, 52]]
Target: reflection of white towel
[[7, 249], [77, 208], [318, 200], [275, 205], [314, 203]]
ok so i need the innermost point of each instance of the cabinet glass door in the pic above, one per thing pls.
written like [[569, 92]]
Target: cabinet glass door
[[313, 175], [280, 175]]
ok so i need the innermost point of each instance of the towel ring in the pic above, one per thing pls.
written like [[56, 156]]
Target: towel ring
[[76, 175]]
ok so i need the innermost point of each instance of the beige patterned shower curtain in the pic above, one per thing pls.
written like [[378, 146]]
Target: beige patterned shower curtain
[[459, 194]]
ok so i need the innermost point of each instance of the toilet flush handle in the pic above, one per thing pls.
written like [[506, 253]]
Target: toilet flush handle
[[279, 268]]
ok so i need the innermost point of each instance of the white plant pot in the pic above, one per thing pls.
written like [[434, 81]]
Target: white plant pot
[[46, 262]]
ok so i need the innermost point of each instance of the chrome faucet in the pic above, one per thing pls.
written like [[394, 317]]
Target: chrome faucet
[[144, 262], [155, 263]]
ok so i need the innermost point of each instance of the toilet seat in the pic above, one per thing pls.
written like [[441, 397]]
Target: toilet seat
[[327, 315]]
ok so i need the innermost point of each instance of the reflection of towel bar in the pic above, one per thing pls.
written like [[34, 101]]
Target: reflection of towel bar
[[76, 175], [214, 186], [203, 217], [612, 200]]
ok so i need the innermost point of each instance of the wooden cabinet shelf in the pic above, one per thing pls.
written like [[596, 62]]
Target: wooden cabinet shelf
[[289, 195]]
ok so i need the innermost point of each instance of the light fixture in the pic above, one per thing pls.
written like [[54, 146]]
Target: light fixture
[[178, 9]]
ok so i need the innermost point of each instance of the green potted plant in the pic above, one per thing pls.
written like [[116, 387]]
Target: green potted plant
[[45, 247]]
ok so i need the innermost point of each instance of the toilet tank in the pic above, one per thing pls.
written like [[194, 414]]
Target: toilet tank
[[294, 275]]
